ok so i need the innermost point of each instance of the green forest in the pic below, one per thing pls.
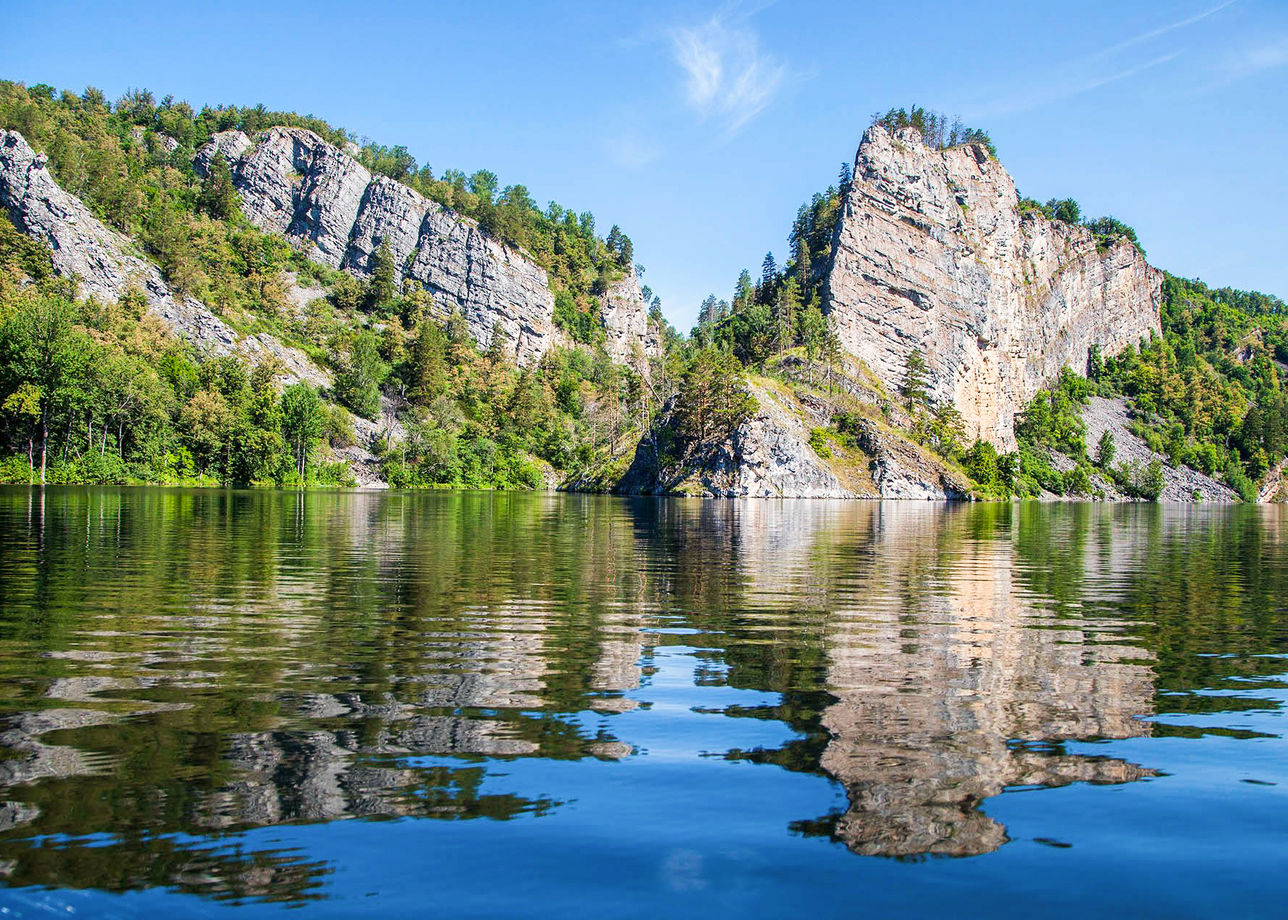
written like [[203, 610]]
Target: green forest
[[103, 393]]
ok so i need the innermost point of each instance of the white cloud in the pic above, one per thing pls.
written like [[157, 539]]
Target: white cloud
[[727, 76], [1163, 30], [1073, 84]]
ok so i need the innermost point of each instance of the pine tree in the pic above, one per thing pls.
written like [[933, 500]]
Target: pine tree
[[786, 311], [743, 293], [381, 285], [218, 196], [915, 377]]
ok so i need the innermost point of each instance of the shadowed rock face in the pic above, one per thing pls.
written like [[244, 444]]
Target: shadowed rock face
[[932, 253], [103, 262]]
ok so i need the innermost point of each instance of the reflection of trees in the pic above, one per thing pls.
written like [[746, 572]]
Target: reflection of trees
[[212, 662]]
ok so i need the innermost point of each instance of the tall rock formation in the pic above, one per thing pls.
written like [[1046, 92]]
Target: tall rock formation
[[103, 262], [293, 182], [932, 252]]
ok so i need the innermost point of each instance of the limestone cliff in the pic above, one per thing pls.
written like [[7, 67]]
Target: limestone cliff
[[106, 268], [294, 183], [932, 252]]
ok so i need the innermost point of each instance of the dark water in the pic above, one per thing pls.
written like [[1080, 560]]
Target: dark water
[[524, 705]]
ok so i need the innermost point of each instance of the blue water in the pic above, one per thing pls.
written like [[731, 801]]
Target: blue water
[[344, 704]]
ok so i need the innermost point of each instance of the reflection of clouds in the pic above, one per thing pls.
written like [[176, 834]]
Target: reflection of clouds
[[682, 870]]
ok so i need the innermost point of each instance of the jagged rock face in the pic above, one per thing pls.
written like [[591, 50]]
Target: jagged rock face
[[227, 144], [629, 337], [294, 183], [932, 253], [101, 260]]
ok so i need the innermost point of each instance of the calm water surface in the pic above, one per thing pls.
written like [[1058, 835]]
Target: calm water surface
[[458, 705]]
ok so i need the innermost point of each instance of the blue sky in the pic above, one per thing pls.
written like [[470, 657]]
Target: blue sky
[[700, 128]]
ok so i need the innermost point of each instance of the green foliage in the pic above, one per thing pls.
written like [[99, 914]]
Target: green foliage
[[1209, 389], [217, 197], [712, 400], [360, 374], [303, 421], [994, 474], [1105, 450], [381, 285], [916, 375], [1106, 230], [1053, 418]]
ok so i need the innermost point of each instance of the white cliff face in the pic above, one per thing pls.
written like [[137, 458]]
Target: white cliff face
[[932, 254], [294, 183], [102, 261]]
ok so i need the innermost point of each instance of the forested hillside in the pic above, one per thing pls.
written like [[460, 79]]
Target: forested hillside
[[102, 392]]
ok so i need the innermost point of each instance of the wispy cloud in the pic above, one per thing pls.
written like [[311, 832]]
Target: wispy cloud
[[1072, 85], [1091, 71], [1163, 30], [728, 77], [1252, 60]]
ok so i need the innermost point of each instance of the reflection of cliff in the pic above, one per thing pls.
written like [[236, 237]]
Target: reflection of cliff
[[951, 680]]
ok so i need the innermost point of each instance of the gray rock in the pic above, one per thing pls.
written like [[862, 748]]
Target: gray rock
[[167, 143], [1180, 483], [769, 456], [1274, 487], [932, 253], [227, 144], [293, 182]]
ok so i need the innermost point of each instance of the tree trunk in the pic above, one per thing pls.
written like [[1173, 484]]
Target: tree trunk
[[44, 446]]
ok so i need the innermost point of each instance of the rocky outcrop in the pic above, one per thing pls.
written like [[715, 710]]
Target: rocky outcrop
[[630, 337], [901, 469], [227, 144], [933, 253], [164, 142], [771, 456], [293, 182], [107, 269], [1274, 487]]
